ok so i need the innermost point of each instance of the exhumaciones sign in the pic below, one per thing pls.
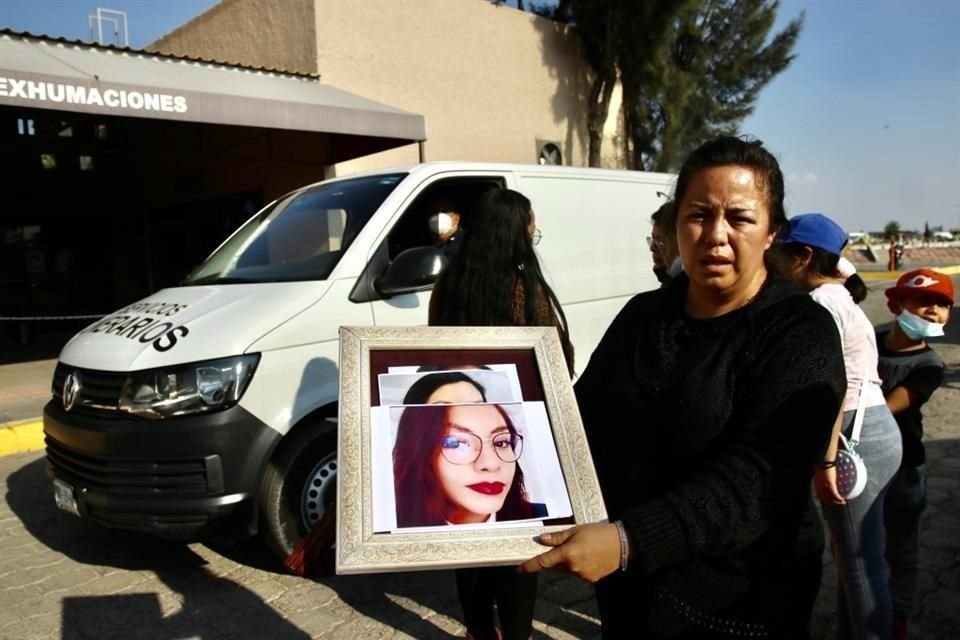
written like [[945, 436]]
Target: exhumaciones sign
[[59, 92]]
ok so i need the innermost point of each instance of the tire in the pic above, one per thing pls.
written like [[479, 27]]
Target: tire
[[299, 485]]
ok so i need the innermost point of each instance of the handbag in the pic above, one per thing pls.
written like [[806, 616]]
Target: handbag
[[851, 470]]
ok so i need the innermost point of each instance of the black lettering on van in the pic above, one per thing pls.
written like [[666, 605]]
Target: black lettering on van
[[120, 327], [137, 327], [157, 308], [96, 328], [108, 325], [171, 338], [153, 334]]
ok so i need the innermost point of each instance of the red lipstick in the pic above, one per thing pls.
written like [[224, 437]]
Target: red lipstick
[[488, 488]]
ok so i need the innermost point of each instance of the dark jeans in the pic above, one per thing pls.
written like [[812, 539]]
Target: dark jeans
[[513, 593], [905, 502]]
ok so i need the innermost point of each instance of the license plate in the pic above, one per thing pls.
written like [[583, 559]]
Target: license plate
[[64, 497]]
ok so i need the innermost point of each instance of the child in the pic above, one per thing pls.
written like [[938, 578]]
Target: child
[[911, 372]]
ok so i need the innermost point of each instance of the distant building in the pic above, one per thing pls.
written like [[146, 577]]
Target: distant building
[[494, 83]]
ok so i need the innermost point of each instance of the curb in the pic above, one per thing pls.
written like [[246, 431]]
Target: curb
[[893, 275], [21, 437]]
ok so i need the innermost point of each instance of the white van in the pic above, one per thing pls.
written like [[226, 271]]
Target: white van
[[209, 409]]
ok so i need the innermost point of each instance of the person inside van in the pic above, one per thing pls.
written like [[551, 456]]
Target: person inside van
[[444, 224], [663, 244]]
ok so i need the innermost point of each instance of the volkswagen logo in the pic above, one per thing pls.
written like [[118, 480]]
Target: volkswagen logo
[[71, 390]]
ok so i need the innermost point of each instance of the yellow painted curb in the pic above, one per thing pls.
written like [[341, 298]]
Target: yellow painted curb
[[893, 275], [950, 271], [879, 275], [19, 437]]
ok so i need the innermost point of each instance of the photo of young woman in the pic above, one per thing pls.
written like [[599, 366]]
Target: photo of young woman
[[457, 464], [449, 456]]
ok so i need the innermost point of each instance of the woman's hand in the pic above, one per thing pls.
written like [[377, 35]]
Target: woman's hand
[[591, 551], [825, 486]]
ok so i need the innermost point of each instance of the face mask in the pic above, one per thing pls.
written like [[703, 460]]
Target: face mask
[[917, 328], [675, 267], [440, 224]]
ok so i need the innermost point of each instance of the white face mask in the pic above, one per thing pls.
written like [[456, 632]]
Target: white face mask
[[441, 224], [918, 328], [675, 267]]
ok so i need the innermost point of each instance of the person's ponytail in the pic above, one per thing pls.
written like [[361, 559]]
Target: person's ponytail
[[857, 288]]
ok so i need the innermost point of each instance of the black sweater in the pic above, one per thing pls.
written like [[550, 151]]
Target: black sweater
[[705, 435]]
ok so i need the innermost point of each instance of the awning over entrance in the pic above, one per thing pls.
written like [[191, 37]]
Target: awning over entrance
[[43, 73]]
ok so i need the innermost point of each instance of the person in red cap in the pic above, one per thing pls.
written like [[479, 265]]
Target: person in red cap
[[911, 372]]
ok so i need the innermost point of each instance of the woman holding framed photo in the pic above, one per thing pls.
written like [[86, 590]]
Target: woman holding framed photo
[[495, 280], [708, 405]]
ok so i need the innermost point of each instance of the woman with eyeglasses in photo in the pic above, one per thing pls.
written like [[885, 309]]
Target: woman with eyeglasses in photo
[[457, 464], [496, 280]]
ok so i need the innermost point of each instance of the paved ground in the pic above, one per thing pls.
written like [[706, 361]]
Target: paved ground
[[24, 389], [63, 578]]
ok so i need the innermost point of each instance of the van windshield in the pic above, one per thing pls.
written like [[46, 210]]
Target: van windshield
[[301, 236]]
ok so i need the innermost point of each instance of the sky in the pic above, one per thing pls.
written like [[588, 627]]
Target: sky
[[865, 121]]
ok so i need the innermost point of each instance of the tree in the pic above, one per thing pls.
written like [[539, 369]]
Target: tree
[[892, 230], [689, 70], [597, 24]]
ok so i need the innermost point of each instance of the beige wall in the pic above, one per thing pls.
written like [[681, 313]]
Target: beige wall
[[492, 81], [276, 34]]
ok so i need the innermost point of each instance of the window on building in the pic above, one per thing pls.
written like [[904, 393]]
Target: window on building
[[25, 127]]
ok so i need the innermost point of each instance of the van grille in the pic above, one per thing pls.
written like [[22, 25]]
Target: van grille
[[99, 390], [187, 476]]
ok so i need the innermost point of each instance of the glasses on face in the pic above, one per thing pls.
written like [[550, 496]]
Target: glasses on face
[[535, 236], [653, 242], [465, 448]]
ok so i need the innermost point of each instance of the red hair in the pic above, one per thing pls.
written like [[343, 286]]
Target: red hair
[[419, 498]]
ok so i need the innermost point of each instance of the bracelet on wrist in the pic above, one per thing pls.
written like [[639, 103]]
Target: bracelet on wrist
[[827, 464], [624, 544]]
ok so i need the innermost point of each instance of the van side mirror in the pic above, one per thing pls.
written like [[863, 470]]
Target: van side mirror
[[415, 269]]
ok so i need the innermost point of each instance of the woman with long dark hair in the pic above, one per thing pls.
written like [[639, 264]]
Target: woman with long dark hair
[[496, 280]]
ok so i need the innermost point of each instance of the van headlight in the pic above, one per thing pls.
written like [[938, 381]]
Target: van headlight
[[200, 387]]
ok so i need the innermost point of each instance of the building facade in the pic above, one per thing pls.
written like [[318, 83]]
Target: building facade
[[494, 83], [126, 167]]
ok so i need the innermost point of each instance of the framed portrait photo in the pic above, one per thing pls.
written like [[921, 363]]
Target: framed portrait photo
[[457, 447]]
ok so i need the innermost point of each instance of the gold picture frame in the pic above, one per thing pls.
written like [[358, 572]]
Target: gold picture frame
[[535, 352]]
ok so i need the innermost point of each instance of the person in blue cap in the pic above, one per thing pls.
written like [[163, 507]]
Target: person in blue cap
[[808, 251]]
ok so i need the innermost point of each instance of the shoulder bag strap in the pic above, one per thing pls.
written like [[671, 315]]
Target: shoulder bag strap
[[858, 416]]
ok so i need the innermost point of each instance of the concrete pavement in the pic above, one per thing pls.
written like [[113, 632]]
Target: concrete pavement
[[24, 389]]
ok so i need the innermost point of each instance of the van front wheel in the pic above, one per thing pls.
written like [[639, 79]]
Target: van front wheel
[[299, 485]]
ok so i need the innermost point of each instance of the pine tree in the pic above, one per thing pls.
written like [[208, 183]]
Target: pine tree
[[689, 70]]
